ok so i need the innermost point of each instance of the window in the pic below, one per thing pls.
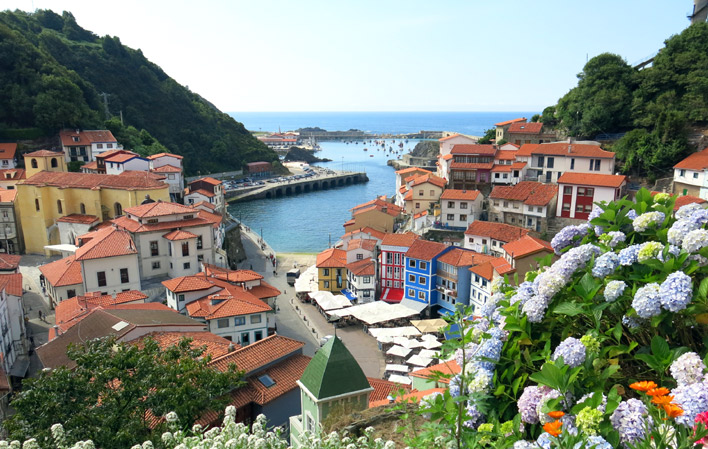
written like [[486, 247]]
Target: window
[[411, 278], [326, 284], [59, 208], [152, 220], [188, 217], [567, 190], [539, 209], [595, 164], [34, 163], [222, 323], [82, 208], [411, 263], [255, 319], [421, 295], [463, 205], [118, 209], [566, 207], [239, 321], [124, 278], [70, 293], [423, 265], [451, 204], [185, 249], [359, 257], [496, 175], [109, 145], [579, 208], [99, 146], [682, 173], [581, 191], [432, 193], [589, 192], [496, 202], [200, 243], [245, 338], [367, 294], [540, 161], [421, 280], [367, 279], [154, 249], [325, 272], [588, 208], [54, 163], [186, 265], [463, 217], [421, 192], [417, 205], [695, 176], [450, 217], [572, 164], [549, 162], [180, 298], [506, 204], [258, 335], [101, 278]]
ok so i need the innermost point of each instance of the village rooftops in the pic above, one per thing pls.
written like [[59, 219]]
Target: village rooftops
[[486, 269], [121, 157], [62, 272], [425, 250], [70, 138], [188, 283], [505, 155], [152, 157], [167, 168], [687, 199], [179, 234], [697, 161], [508, 168], [259, 355], [366, 244], [459, 257], [232, 276], [79, 219], [231, 301], [449, 367], [333, 371], [463, 195], [8, 150], [564, 149], [12, 174], [365, 267], [497, 231], [475, 149], [159, 209], [208, 180], [72, 310], [94, 181], [44, 153], [509, 122], [429, 178], [332, 258], [594, 179], [526, 246], [11, 283], [213, 345], [106, 242], [9, 262], [405, 171], [365, 230], [530, 192], [525, 128], [401, 240]]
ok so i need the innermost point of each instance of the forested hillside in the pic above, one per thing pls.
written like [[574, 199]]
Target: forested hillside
[[54, 74], [657, 106]]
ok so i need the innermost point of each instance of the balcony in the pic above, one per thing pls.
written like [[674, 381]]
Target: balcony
[[446, 291]]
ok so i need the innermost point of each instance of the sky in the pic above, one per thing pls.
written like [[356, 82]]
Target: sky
[[325, 55]]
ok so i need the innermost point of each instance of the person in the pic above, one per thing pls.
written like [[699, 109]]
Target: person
[[40, 315]]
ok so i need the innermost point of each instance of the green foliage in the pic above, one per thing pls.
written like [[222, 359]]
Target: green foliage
[[107, 396], [139, 141], [54, 74], [74, 166], [535, 118], [489, 135], [644, 152], [548, 117]]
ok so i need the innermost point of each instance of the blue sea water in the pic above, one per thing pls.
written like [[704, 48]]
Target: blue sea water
[[310, 221]]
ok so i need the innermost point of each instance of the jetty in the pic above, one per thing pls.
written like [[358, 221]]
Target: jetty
[[322, 181]]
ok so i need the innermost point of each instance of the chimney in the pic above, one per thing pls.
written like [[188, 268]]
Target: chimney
[[232, 348], [57, 332]]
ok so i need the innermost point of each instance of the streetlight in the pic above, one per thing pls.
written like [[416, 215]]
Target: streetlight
[[342, 163]]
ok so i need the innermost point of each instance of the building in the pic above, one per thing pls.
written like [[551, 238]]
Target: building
[[527, 204], [280, 141], [71, 311], [122, 160], [403, 176], [423, 192], [378, 214], [523, 254], [8, 155], [459, 208], [48, 196], [580, 191], [471, 165], [170, 166], [83, 146], [44, 160], [690, 175], [481, 278], [488, 238], [445, 157], [421, 271], [364, 233], [10, 263], [332, 382], [11, 239], [13, 348], [259, 169], [74, 225], [206, 189], [332, 270], [521, 133], [392, 265], [453, 278], [62, 279], [361, 278], [503, 127], [360, 249], [548, 161], [10, 177]]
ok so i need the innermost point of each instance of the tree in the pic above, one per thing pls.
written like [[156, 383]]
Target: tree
[[645, 153], [548, 117], [489, 135], [117, 392]]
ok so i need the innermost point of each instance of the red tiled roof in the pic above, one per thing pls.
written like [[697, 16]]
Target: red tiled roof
[[72, 310], [459, 257], [63, 272], [44, 153], [205, 204], [95, 181], [285, 374], [509, 122], [9, 261], [412, 170], [486, 270], [332, 258], [179, 234], [687, 199], [425, 250], [122, 157], [7, 196], [447, 157], [383, 389], [430, 178], [78, 218], [387, 208], [208, 180], [213, 344], [420, 214], [365, 267], [542, 195], [203, 192], [530, 192], [134, 226], [264, 291], [526, 245], [106, 242], [527, 149], [595, 180], [413, 396], [167, 168], [506, 155], [525, 128], [232, 276], [230, 302], [8, 150], [695, 161], [475, 149], [471, 166], [497, 231], [571, 149], [256, 355], [454, 194], [366, 230], [15, 174], [85, 137], [214, 218], [367, 244], [159, 209], [11, 283], [449, 368], [93, 165], [402, 240], [159, 155], [448, 137], [188, 283]]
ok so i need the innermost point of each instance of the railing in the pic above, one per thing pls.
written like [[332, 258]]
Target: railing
[[446, 291]]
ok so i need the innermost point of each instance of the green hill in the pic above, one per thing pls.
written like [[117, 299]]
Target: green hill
[[55, 74]]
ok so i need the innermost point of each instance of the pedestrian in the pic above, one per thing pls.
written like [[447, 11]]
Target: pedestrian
[[39, 314]]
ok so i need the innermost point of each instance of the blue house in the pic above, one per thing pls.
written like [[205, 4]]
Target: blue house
[[453, 278], [421, 270]]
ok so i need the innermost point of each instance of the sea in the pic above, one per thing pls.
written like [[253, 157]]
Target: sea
[[311, 222]]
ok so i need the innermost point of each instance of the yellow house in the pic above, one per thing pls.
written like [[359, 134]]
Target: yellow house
[[332, 270], [378, 214], [47, 196], [424, 191], [44, 160]]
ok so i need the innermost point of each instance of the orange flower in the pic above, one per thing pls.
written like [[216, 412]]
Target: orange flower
[[658, 391], [554, 428], [673, 410], [556, 414], [644, 385], [661, 400]]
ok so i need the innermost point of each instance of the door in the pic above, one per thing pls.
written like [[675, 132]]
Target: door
[[548, 176]]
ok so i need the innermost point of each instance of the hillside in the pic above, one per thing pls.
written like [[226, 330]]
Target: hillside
[[55, 74]]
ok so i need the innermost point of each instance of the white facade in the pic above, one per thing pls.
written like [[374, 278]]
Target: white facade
[[548, 168], [243, 329], [136, 164], [460, 213], [59, 294], [574, 191], [160, 257], [693, 178], [484, 245], [359, 254], [480, 291], [8, 163], [12, 329], [111, 275], [363, 287], [179, 301]]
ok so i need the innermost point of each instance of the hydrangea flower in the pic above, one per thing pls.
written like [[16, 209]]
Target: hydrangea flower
[[548, 395], [631, 419], [481, 382], [628, 255], [528, 402], [572, 350], [677, 232], [566, 236], [616, 237], [473, 414], [535, 308], [695, 240], [588, 420], [600, 407], [662, 197], [592, 345], [614, 290], [693, 399], [632, 214], [688, 369], [676, 291], [605, 265], [596, 212], [595, 442], [686, 211], [489, 349], [632, 322], [649, 250], [646, 301], [648, 219], [455, 386]]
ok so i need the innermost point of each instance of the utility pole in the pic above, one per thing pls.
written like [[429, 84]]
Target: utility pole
[[105, 104]]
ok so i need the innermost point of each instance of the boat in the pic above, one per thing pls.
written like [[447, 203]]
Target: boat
[[371, 155], [366, 149]]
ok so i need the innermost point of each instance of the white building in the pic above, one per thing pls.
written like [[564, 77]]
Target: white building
[[206, 189], [170, 165], [118, 163], [401, 183], [488, 238], [360, 249], [8, 155], [12, 325], [62, 279], [548, 161], [362, 280], [83, 146], [578, 193], [459, 208], [481, 278], [445, 156], [527, 204]]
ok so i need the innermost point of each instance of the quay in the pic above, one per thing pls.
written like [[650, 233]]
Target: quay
[[322, 181]]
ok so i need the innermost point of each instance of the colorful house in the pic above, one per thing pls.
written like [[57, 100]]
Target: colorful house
[[528, 204], [548, 161], [44, 160], [83, 146], [459, 208], [453, 278], [377, 214], [523, 254], [691, 175], [481, 279], [362, 280], [487, 237], [332, 270], [503, 127], [393, 265], [579, 192], [423, 192], [471, 165], [421, 271]]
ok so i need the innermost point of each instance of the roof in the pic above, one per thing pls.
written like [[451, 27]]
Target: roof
[[134, 226], [381, 206], [122, 157], [44, 153], [213, 344], [447, 157], [420, 214], [425, 249], [526, 246], [333, 371], [471, 166], [15, 174], [188, 284], [285, 374], [258, 354], [530, 192], [568, 149], [449, 137], [509, 122], [594, 179], [159, 209], [71, 311], [11, 283], [179, 234], [405, 171], [232, 276], [94, 181], [486, 269], [459, 257], [454, 194], [366, 244], [687, 199], [506, 155], [430, 178], [403, 240], [331, 258], [365, 267], [264, 291], [202, 192], [9, 262], [62, 272], [478, 149], [414, 396], [74, 309], [85, 137], [497, 231], [8, 150], [229, 302], [204, 204], [695, 161], [167, 168], [508, 168], [449, 367], [366, 230], [159, 155], [106, 242], [208, 180], [382, 390], [93, 165], [78, 218], [525, 128]]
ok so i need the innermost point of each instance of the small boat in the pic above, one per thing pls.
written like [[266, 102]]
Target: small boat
[[366, 149], [371, 155]]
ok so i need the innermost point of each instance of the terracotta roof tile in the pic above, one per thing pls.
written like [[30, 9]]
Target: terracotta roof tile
[[695, 161], [505, 155], [454, 194], [167, 168], [497, 231], [233, 276], [264, 291], [134, 226], [527, 149], [375, 233], [106, 242], [253, 357], [204, 204], [79, 218], [93, 165], [425, 250], [447, 157], [188, 284], [404, 240], [475, 149], [8, 150], [530, 192], [412, 170], [11, 283], [443, 139], [229, 302], [179, 234], [429, 178], [367, 244], [596, 180], [86, 137], [420, 214], [12, 174], [94, 181], [509, 122], [459, 257], [72, 310], [571, 149], [63, 272], [159, 209], [159, 155], [9, 261], [508, 168], [285, 374], [332, 258], [44, 153], [383, 389], [449, 368], [203, 192], [208, 180], [122, 157], [365, 267], [525, 246], [213, 344], [687, 199], [525, 128], [486, 270]]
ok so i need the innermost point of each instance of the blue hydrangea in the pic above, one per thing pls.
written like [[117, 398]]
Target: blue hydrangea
[[628, 255], [566, 236], [631, 419], [535, 308], [695, 240], [676, 291], [646, 301], [523, 444], [647, 220], [455, 384], [693, 399], [632, 322], [605, 265], [617, 237], [474, 415], [572, 351], [688, 369], [614, 290], [686, 211], [632, 214], [528, 401], [678, 231], [594, 442], [596, 212], [489, 349], [544, 441]]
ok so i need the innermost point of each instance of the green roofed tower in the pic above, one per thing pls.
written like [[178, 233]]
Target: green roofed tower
[[332, 379]]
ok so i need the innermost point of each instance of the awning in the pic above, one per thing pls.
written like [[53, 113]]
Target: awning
[[64, 247], [413, 304], [405, 331], [398, 351], [19, 368], [397, 368], [428, 353], [398, 379], [434, 325], [348, 293], [419, 361], [392, 295]]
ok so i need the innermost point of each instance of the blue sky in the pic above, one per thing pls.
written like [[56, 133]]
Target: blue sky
[[312, 55]]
